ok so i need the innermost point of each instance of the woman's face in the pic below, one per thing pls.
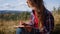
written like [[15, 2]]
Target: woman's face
[[30, 4]]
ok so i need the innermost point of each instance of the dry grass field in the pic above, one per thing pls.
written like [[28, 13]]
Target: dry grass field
[[57, 23], [7, 27]]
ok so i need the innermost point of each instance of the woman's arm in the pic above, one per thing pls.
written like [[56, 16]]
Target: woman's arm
[[20, 24], [51, 22]]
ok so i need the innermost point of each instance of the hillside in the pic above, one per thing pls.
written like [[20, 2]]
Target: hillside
[[14, 15]]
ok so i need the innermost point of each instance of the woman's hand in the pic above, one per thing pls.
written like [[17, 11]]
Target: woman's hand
[[21, 22], [19, 25]]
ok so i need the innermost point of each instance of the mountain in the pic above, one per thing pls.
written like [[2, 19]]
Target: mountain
[[9, 11]]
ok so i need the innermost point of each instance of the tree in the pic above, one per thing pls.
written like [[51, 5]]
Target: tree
[[58, 10]]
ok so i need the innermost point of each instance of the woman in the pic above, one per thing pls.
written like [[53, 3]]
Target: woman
[[42, 16]]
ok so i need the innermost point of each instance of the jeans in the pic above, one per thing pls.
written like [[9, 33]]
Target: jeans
[[18, 31], [22, 31]]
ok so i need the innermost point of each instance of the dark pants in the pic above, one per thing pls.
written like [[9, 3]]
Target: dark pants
[[24, 31]]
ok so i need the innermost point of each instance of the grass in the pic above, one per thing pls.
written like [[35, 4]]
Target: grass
[[7, 27], [57, 29]]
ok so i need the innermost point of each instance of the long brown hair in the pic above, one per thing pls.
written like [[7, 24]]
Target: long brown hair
[[39, 4]]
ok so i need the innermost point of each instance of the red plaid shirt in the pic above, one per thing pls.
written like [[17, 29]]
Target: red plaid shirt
[[48, 22]]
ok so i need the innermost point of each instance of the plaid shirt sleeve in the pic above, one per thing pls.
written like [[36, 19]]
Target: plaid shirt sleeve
[[49, 23]]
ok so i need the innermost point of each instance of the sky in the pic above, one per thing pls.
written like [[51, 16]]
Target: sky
[[22, 6]]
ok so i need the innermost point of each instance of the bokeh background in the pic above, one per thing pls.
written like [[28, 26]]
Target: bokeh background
[[12, 11]]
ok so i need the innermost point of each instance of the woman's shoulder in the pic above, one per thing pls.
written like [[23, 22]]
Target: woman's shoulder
[[48, 12]]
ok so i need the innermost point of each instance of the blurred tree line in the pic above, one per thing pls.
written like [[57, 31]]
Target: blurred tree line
[[14, 16], [56, 10]]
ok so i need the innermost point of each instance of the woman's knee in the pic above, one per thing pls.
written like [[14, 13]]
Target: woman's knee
[[18, 30]]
